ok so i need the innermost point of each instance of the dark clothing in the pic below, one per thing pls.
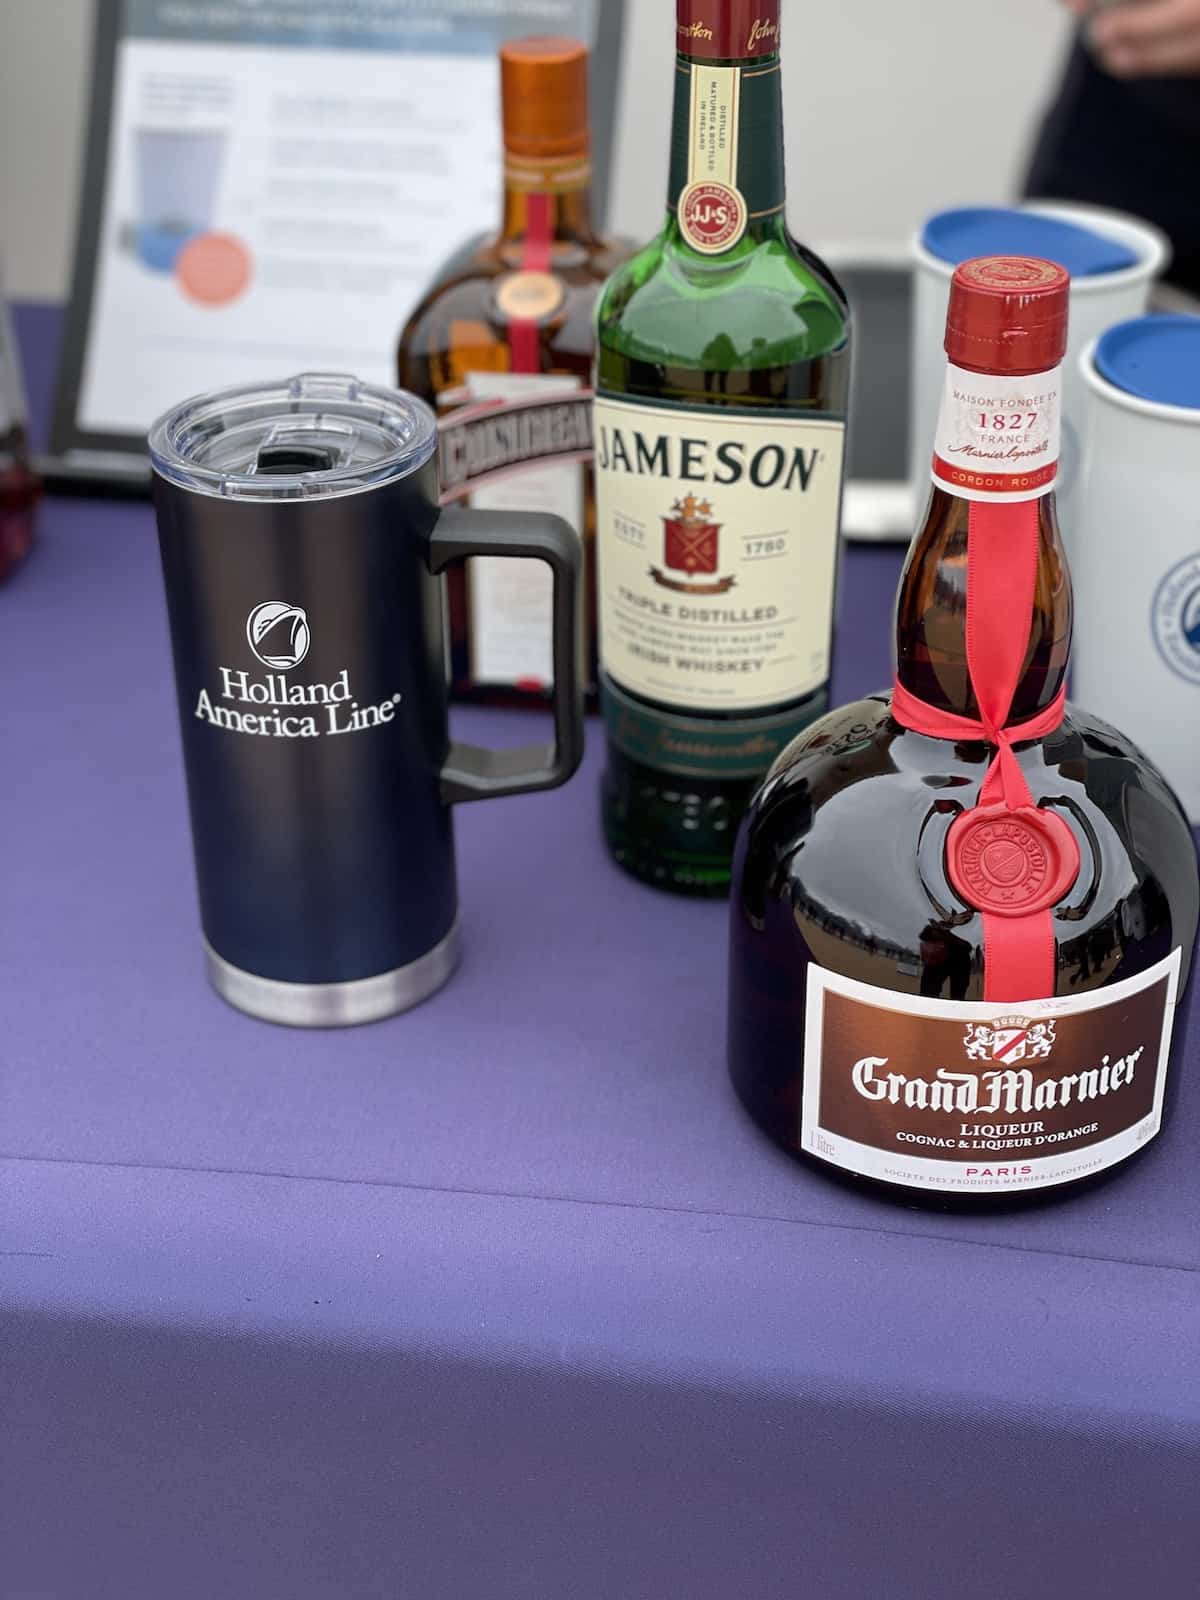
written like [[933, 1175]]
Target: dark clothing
[[1129, 143]]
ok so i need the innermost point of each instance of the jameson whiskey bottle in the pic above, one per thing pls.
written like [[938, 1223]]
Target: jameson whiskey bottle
[[722, 365], [501, 345], [963, 913]]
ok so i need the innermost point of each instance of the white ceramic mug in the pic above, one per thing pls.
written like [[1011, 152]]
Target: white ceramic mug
[[1136, 569], [1096, 303]]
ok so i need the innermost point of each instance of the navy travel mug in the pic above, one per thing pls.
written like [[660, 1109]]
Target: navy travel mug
[[302, 546]]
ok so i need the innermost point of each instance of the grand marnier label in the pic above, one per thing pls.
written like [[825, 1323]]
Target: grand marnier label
[[717, 548], [973, 1097], [998, 435]]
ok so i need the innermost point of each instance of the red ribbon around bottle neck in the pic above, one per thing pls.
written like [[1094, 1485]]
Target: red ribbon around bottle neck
[[536, 256], [1004, 827]]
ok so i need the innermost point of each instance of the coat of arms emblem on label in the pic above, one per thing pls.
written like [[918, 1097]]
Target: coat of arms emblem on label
[[1009, 1039], [691, 544]]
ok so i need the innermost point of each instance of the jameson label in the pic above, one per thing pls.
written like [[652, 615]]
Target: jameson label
[[712, 210], [695, 747], [726, 151], [717, 547], [723, 28], [973, 1097], [998, 436]]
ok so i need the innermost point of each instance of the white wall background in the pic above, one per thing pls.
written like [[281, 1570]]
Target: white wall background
[[893, 110]]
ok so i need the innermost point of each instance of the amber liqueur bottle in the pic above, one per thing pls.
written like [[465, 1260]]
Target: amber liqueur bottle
[[501, 346], [964, 913]]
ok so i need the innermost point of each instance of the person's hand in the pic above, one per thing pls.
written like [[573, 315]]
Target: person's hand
[[1144, 38]]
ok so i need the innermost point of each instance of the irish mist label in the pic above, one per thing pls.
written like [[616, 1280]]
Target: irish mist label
[[717, 549], [972, 1097]]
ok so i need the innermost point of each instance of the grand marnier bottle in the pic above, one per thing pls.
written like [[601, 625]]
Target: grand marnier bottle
[[722, 369], [963, 914]]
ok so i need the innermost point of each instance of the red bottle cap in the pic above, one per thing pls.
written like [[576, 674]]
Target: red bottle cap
[[726, 30], [1008, 314]]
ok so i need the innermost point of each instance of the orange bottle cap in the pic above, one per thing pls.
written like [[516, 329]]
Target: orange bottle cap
[[544, 95]]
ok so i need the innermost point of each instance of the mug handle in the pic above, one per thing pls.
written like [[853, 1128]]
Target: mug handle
[[472, 772]]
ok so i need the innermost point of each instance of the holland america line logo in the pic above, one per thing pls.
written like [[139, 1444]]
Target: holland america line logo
[[1175, 618], [690, 545], [275, 707], [278, 634]]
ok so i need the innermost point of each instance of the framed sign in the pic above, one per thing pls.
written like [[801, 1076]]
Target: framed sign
[[269, 186]]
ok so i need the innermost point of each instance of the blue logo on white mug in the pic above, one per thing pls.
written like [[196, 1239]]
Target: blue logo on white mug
[[1175, 618]]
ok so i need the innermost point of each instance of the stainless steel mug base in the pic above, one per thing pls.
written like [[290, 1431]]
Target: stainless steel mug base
[[335, 1005]]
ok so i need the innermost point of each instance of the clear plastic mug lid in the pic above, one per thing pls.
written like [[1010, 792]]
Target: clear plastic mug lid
[[315, 435]]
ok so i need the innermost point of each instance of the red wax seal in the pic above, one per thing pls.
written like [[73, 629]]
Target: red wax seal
[[1011, 863]]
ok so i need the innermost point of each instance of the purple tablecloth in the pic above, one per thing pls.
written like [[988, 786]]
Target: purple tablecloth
[[505, 1297]]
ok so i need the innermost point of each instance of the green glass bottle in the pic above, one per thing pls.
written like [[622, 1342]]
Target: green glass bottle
[[722, 370]]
